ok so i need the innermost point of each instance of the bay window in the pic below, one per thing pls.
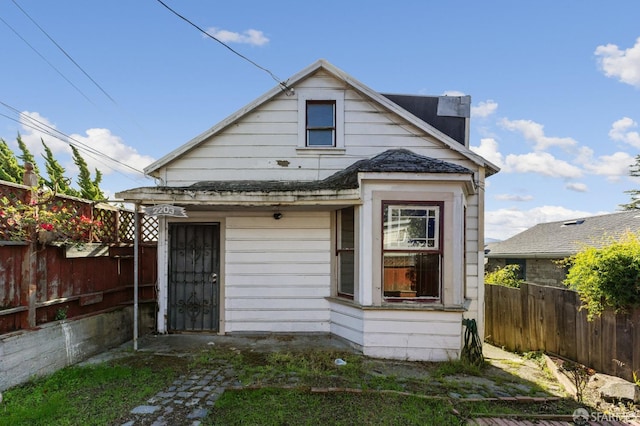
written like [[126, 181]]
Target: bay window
[[412, 250]]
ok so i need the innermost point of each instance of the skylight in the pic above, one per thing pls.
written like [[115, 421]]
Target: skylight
[[573, 222]]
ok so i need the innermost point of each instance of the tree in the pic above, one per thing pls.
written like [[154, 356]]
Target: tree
[[633, 193], [10, 170], [57, 181], [27, 157], [507, 276], [607, 277], [89, 189]]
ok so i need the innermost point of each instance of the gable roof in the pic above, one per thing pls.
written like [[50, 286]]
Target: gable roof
[[355, 84], [565, 238]]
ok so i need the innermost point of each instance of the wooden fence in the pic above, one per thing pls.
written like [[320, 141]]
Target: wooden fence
[[42, 282], [541, 318]]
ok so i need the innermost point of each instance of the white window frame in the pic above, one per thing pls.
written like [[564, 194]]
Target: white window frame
[[336, 96]]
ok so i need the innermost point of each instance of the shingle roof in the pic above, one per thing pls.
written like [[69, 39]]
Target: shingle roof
[[564, 238], [390, 161]]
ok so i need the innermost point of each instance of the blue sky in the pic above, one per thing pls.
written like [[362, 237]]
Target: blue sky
[[555, 85]]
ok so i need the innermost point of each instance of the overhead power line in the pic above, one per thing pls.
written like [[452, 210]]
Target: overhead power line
[[38, 125], [283, 84], [45, 59], [64, 51]]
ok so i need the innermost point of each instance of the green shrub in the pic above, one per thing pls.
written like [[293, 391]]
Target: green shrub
[[608, 276], [506, 276]]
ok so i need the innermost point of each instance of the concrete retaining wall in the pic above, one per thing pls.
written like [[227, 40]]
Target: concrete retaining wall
[[55, 345]]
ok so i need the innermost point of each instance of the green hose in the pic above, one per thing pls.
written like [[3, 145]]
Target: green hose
[[472, 350]]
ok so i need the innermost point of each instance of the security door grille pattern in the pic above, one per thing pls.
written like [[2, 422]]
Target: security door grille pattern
[[193, 277]]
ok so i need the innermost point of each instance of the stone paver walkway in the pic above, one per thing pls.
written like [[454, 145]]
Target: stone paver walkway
[[185, 402]]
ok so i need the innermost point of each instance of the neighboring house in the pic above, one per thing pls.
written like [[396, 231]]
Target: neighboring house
[[538, 249], [326, 208]]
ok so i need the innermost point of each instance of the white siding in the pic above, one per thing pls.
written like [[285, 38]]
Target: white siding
[[415, 335], [278, 272], [260, 144]]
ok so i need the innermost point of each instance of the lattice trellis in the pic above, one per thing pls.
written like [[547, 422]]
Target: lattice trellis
[[117, 225], [148, 227]]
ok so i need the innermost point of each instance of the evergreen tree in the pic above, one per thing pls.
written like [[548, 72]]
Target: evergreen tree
[[633, 193], [27, 157], [57, 181], [89, 189], [10, 170]]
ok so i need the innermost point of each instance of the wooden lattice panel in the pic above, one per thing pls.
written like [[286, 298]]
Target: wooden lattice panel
[[10, 196], [149, 228], [108, 232], [126, 229]]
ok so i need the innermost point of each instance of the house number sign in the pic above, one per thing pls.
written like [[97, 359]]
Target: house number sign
[[165, 210]]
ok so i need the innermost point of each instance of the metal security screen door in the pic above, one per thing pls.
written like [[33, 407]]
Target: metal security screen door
[[194, 260]]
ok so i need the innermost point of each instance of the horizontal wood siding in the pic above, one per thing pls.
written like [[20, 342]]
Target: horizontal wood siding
[[278, 273], [412, 335], [258, 145], [346, 322]]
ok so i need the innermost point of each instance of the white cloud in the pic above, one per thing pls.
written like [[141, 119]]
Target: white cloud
[[577, 187], [534, 132], [484, 109], [621, 64], [488, 149], [620, 131], [100, 140], [513, 197], [613, 166], [541, 163], [250, 36], [32, 137], [505, 223]]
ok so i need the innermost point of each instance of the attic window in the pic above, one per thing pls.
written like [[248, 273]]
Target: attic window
[[321, 123], [573, 222]]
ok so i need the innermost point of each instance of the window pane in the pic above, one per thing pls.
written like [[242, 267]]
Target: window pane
[[320, 115], [411, 275], [320, 137], [346, 278], [346, 228], [411, 228], [346, 256]]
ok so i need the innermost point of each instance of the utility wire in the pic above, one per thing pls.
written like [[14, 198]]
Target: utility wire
[[49, 63], [36, 124], [63, 51], [282, 84]]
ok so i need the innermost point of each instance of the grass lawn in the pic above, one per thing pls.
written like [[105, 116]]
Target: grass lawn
[[91, 395], [276, 390], [270, 406]]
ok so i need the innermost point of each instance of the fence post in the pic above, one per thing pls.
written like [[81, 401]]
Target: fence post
[[30, 263]]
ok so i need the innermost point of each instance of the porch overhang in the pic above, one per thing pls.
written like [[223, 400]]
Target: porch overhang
[[193, 196]]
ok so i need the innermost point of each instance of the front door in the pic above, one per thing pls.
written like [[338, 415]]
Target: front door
[[194, 265]]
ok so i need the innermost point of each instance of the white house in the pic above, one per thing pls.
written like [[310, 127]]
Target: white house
[[326, 207]]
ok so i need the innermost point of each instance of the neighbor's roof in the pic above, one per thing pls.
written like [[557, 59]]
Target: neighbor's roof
[[385, 101], [565, 238]]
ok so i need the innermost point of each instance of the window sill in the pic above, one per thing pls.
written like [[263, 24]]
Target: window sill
[[400, 305], [330, 150]]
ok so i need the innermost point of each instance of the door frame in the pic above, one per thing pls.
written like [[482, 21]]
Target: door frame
[[163, 265]]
